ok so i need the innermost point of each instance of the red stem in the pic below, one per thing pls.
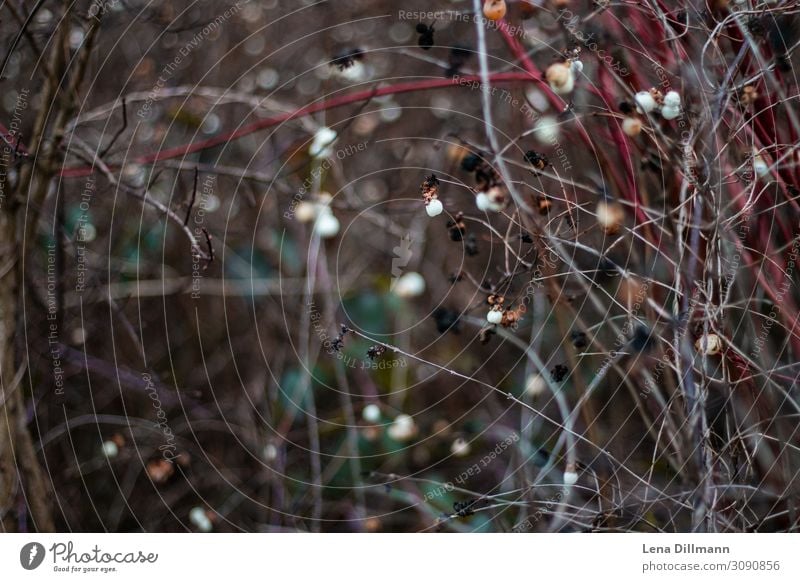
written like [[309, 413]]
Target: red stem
[[332, 103]]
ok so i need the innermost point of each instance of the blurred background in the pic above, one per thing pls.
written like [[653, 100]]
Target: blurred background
[[197, 204]]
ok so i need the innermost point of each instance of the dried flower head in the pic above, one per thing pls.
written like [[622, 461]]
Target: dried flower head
[[579, 339], [537, 160], [376, 352], [430, 188], [425, 36], [543, 204], [512, 316], [559, 372], [346, 58], [456, 228], [495, 299], [748, 96]]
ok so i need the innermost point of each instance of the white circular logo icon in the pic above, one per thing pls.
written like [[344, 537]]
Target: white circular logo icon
[[31, 555]]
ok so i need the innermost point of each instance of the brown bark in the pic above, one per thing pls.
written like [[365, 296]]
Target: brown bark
[[20, 473]]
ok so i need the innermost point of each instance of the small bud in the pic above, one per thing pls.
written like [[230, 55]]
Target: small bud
[[570, 478]]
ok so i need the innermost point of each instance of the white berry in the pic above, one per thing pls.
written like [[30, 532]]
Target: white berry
[[631, 126], [570, 478], [110, 449], [306, 212], [403, 428], [535, 385], [327, 225], [371, 413], [760, 166], [199, 518], [672, 99], [645, 101], [434, 208], [322, 145], [710, 344], [460, 447], [561, 78], [547, 130], [482, 201], [494, 316], [670, 112], [409, 285]]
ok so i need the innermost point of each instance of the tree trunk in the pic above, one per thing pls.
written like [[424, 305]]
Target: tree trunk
[[23, 491]]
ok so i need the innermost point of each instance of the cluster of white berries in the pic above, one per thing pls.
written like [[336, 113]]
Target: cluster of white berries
[[199, 519], [670, 107]]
